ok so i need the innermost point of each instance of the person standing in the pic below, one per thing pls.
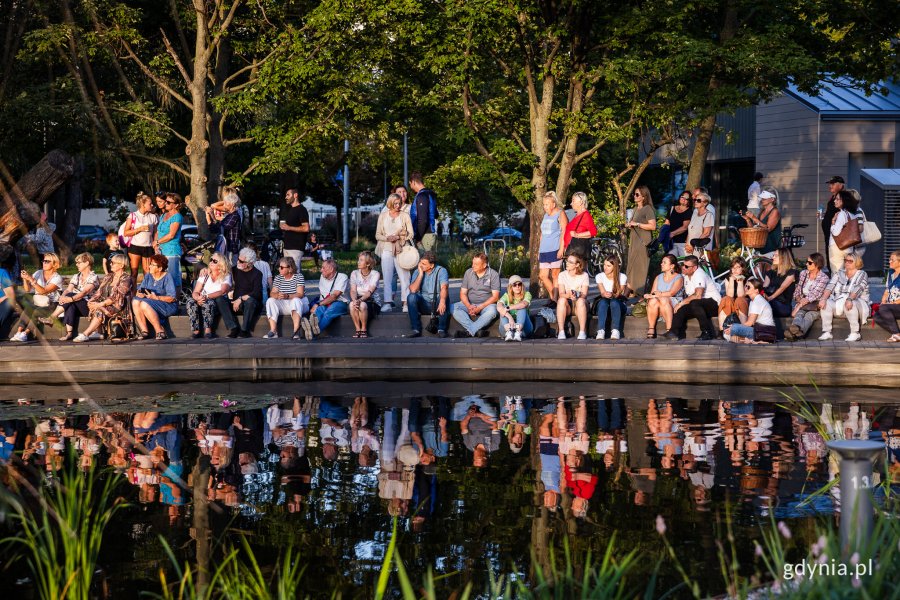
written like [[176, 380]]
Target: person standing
[[753, 193], [140, 227], [295, 227], [847, 205], [552, 248], [642, 225], [835, 186], [678, 222], [392, 232], [423, 212], [168, 237]]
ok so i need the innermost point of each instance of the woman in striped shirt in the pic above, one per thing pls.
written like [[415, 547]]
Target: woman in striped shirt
[[287, 298]]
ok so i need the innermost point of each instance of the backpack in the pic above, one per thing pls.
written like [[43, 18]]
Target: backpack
[[125, 241]]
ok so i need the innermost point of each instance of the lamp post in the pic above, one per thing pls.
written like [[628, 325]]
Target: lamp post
[[856, 489]]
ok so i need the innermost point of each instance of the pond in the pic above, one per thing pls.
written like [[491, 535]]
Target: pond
[[478, 484]]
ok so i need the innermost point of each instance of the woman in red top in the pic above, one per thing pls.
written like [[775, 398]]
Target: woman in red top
[[581, 226]]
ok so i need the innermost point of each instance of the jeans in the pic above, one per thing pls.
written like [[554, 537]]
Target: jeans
[[388, 268], [251, 308], [616, 306], [887, 316], [744, 331], [327, 314], [175, 269], [484, 318], [521, 319], [703, 310], [805, 319], [417, 305]]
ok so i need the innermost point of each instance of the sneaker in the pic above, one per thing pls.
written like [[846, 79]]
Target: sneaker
[[509, 336], [826, 336], [314, 323], [441, 333], [615, 335], [561, 336], [245, 334], [81, 338], [21, 336], [405, 309], [387, 307], [601, 333], [416, 333], [307, 328], [270, 336], [853, 337], [95, 336], [582, 335], [517, 336], [297, 335]]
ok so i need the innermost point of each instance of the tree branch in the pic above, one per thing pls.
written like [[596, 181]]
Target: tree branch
[[236, 141], [152, 120], [174, 55], [154, 77], [169, 163]]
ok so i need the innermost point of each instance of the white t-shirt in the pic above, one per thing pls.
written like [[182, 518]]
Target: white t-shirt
[[753, 195], [144, 238], [339, 283], [759, 306], [697, 279], [213, 287], [573, 282], [266, 270], [56, 280], [698, 224], [607, 284], [364, 284]]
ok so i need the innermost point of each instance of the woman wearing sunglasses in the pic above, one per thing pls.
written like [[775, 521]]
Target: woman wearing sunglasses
[[41, 295], [168, 237], [758, 327], [515, 323], [210, 296]]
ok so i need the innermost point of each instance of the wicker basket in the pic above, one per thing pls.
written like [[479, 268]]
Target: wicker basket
[[753, 237]]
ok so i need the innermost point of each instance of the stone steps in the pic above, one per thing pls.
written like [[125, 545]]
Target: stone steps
[[396, 324]]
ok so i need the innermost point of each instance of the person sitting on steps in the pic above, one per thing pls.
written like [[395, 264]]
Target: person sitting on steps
[[701, 302]]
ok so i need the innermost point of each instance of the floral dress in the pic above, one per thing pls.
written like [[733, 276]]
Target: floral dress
[[120, 293]]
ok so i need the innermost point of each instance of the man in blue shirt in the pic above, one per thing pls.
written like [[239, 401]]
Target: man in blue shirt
[[423, 212], [429, 292]]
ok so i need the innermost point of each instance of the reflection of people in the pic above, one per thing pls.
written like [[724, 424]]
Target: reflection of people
[[480, 435], [334, 428], [363, 441], [551, 470]]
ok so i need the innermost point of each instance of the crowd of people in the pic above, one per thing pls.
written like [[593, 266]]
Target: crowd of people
[[755, 449], [236, 283]]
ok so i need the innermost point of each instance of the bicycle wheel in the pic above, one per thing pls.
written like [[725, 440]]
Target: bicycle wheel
[[760, 266]]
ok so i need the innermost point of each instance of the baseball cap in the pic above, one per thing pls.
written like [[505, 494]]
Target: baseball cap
[[836, 179]]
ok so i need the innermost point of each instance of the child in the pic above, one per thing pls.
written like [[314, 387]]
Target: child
[[112, 240]]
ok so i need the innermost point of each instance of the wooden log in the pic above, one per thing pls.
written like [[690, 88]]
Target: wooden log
[[22, 203]]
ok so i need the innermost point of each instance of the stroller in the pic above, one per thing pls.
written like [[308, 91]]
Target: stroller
[[193, 261]]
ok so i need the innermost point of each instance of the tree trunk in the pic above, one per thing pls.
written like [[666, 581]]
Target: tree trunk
[[216, 142], [67, 223], [22, 203], [202, 534], [701, 151], [199, 145]]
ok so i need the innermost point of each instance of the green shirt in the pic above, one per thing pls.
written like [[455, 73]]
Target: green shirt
[[505, 301]]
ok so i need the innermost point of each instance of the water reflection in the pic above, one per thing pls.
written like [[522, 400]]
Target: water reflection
[[477, 481]]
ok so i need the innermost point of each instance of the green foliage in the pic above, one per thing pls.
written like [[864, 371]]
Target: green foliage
[[61, 528]]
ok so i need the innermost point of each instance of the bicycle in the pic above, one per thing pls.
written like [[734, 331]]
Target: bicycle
[[601, 249]]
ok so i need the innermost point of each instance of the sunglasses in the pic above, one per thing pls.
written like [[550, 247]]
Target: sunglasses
[[517, 285], [242, 261], [809, 262], [284, 267], [699, 201], [846, 260], [47, 261], [170, 202], [214, 261]]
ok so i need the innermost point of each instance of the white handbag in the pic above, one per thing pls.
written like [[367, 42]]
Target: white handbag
[[870, 233], [408, 258]]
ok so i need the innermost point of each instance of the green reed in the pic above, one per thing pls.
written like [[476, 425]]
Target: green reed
[[60, 528]]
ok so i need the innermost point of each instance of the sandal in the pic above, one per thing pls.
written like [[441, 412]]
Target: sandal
[[162, 335], [363, 334], [46, 320], [651, 333], [144, 335], [357, 334], [894, 338]]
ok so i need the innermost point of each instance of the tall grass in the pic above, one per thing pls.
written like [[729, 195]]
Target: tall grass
[[61, 528]]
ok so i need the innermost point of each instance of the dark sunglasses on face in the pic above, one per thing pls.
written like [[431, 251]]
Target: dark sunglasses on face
[[809, 262], [47, 261], [517, 285], [283, 267], [214, 261], [242, 261]]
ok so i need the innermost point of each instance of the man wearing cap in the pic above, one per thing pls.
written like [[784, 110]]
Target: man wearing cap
[[835, 185]]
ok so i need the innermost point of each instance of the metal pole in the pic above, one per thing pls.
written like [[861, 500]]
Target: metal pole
[[346, 224], [856, 490], [405, 160]]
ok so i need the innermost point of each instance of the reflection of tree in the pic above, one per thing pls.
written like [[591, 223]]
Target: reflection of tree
[[540, 522], [201, 531]]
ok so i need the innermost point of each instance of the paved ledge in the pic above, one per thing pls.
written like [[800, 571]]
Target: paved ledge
[[629, 361]]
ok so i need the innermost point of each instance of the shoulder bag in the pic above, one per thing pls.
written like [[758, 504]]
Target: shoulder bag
[[408, 257], [125, 240], [870, 232], [432, 326], [849, 235]]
